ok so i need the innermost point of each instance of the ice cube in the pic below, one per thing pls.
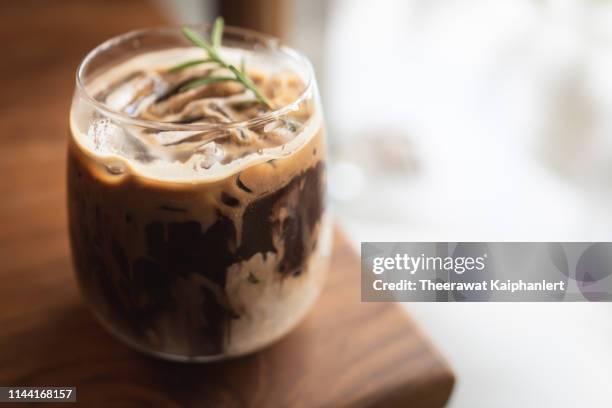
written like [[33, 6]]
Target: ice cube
[[174, 137], [242, 136], [100, 132], [206, 156], [281, 130], [109, 139], [125, 94]]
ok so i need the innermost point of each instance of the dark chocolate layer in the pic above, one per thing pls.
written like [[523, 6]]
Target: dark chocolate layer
[[134, 291]]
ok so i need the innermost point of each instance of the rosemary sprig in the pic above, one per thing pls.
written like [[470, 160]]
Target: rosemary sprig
[[188, 64], [217, 32], [246, 81], [202, 43], [214, 57]]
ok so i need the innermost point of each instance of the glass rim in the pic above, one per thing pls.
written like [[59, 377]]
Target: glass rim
[[269, 41]]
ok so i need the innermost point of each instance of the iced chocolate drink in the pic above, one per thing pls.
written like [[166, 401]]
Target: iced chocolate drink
[[197, 210]]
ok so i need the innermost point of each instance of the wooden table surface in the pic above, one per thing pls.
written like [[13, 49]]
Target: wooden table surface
[[346, 353]]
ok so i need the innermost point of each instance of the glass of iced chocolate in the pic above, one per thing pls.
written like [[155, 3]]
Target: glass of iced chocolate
[[196, 190]]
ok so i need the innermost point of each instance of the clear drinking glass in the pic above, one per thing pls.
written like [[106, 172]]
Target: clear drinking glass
[[196, 237]]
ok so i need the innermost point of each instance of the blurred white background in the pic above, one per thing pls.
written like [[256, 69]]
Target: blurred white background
[[482, 121], [498, 111], [474, 120]]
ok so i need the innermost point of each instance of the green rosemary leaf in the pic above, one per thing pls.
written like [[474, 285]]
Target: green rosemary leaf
[[213, 56], [217, 32], [188, 64], [200, 42], [250, 85], [205, 81]]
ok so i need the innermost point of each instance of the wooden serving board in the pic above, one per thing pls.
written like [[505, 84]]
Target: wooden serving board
[[346, 353]]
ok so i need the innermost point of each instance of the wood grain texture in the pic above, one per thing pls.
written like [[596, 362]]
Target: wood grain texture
[[346, 353]]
